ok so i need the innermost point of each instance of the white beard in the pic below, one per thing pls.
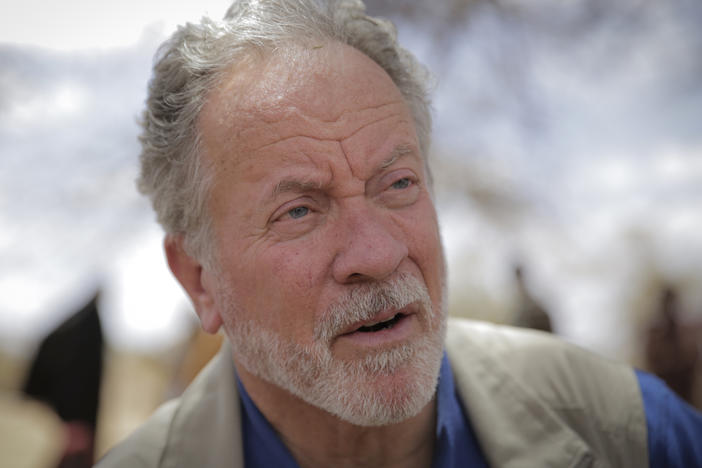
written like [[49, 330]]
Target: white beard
[[357, 391]]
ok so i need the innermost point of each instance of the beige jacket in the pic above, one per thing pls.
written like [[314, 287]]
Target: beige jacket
[[533, 401]]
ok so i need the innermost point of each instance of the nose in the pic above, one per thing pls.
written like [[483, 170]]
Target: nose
[[369, 247]]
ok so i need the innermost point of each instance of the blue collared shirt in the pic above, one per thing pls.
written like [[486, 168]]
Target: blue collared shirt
[[456, 444], [674, 429]]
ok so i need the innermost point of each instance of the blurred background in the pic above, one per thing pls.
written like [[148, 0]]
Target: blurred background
[[567, 159]]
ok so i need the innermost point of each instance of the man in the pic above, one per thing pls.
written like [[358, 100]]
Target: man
[[284, 150]]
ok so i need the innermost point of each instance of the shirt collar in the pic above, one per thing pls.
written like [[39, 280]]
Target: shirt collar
[[262, 446], [456, 444]]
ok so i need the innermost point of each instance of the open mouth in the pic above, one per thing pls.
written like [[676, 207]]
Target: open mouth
[[385, 325]]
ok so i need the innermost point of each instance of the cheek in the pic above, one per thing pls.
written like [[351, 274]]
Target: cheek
[[424, 242], [284, 285], [292, 267]]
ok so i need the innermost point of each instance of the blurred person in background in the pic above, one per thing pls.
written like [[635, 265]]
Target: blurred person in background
[[529, 312], [671, 349], [285, 154], [66, 375]]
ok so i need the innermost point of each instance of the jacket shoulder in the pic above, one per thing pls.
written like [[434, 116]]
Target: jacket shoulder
[[597, 398], [200, 428], [557, 370], [145, 446]]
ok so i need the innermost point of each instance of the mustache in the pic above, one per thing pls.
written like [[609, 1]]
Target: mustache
[[365, 301]]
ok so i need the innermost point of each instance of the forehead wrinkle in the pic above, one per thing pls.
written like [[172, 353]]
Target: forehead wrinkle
[[386, 162], [341, 118], [372, 122], [309, 126]]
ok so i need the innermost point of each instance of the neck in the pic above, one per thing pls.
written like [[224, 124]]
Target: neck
[[317, 438]]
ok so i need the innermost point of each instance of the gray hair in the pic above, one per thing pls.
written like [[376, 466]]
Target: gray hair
[[189, 64]]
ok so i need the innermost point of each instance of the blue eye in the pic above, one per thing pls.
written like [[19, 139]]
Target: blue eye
[[401, 183], [298, 212]]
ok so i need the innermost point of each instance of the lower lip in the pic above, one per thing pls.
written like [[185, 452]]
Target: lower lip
[[400, 331]]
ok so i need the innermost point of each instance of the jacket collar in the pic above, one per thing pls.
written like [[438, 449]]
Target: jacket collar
[[514, 427], [206, 429]]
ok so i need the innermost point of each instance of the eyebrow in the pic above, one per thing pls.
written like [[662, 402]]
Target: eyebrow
[[294, 185], [398, 152]]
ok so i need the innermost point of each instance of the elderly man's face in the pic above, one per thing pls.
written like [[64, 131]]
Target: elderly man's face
[[329, 277]]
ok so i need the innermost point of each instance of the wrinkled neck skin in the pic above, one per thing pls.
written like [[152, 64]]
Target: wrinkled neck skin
[[317, 439]]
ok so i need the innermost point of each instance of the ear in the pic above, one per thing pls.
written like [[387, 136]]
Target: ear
[[196, 281]]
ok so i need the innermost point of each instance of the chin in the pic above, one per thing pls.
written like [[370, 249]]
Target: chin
[[386, 399], [382, 389]]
